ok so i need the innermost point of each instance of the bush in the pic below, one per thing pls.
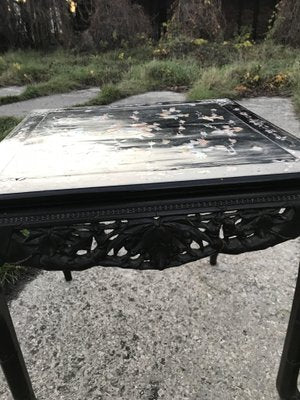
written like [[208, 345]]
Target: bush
[[169, 73], [118, 22], [286, 29], [197, 19], [34, 23], [109, 94], [215, 82], [205, 52]]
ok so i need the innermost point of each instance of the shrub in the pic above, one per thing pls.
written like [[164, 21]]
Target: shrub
[[215, 82], [117, 22], [169, 73], [286, 28], [197, 19], [34, 23], [108, 94]]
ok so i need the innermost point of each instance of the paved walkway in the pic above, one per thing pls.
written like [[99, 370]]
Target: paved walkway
[[152, 97], [73, 98], [12, 91], [195, 332]]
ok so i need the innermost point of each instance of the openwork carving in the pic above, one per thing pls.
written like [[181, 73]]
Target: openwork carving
[[151, 243]]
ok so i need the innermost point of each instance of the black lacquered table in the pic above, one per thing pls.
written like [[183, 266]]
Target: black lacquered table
[[145, 187]]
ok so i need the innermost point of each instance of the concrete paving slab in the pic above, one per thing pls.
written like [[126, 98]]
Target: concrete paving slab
[[12, 91], [194, 332], [22, 108], [151, 98], [278, 110]]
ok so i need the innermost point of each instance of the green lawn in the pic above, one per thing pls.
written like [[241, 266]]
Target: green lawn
[[203, 69]]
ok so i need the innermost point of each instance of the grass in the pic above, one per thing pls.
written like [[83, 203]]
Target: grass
[[263, 69], [63, 71], [152, 75], [6, 125], [203, 69], [10, 274]]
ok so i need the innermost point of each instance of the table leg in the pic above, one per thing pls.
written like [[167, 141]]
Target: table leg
[[287, 380], [214, 259], [11, 357], [68, 275]]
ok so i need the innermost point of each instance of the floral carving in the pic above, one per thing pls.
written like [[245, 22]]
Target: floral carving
[[153, 242]]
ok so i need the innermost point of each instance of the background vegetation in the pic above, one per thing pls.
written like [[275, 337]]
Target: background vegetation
[[69, 44]]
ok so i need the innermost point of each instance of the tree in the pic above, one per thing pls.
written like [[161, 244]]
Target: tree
[[199, 18], [34, 23], [286, 28], [117, 21]]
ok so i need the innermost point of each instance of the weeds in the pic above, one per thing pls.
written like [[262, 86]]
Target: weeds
[[154, 75], [60, 71], [206, 70], [10, 274], [6, 125]]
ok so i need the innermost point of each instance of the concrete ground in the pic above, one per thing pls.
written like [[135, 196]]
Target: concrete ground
[[22, 108], [195, 332], [12, 91], [151, 97]]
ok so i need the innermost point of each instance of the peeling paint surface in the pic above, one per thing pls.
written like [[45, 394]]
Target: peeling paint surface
[[109, 146]]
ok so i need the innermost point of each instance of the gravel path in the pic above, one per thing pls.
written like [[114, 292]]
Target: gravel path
[[195, 332]]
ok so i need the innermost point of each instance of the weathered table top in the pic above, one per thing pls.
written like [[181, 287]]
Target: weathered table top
[[146, 187], [106, 147]]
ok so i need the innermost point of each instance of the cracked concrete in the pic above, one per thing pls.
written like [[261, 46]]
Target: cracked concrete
[[194, 332]]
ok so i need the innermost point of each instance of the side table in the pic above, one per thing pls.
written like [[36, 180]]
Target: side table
[[145, 187]]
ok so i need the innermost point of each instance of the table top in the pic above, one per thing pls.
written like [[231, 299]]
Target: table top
[[165, 144]]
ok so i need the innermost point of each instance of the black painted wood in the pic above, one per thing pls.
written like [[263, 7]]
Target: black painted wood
[[148, 187], [11, 358]]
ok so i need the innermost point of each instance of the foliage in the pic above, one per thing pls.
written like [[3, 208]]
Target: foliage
[[154, 75], [265, 69], [117, 21], [34, 23], [166, 74], [10, 274], [60, 71], [215, 82], [205, 52], [205, 68], [108, 94], [6, 125], [286, 28], [197, 19]]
